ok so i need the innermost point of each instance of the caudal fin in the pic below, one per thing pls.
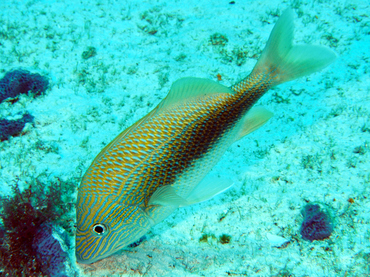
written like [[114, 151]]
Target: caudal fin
[[285, 62]]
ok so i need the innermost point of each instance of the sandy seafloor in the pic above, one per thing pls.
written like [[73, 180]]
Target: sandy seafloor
[[315, 148]]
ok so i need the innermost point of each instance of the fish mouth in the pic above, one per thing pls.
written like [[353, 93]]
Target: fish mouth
[[81, 260]]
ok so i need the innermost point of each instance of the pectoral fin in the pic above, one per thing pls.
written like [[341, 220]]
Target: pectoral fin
[[166, 196], [206, 189]]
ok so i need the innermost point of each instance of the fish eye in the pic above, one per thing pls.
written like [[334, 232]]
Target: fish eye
[[99, 229]]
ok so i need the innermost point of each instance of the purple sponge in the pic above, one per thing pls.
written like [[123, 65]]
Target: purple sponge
[[49, 252], [21, 81], [317, 223], [10, 128]]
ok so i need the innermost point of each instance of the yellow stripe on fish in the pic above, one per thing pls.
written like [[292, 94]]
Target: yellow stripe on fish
[[162, 161]]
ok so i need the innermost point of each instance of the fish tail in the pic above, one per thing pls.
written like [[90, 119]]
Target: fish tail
[[281, 61]]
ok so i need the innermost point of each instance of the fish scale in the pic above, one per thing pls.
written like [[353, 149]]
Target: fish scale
[[169, 156], [162, 162]]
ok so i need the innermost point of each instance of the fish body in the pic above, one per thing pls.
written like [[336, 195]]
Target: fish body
[[162, 161]]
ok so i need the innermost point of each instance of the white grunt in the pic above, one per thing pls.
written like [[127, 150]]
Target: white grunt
[[161, 162]]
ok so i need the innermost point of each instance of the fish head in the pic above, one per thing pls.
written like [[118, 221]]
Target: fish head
[[104, 229]]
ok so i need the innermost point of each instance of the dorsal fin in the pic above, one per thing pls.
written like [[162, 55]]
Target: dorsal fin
[[191, 87]]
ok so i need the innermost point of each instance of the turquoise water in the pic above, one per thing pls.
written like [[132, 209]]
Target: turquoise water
[[110, 62]]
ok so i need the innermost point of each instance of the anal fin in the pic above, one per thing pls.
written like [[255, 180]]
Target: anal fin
[[254, 119]]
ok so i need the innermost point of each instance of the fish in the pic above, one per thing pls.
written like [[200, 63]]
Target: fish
[[164, 160]]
